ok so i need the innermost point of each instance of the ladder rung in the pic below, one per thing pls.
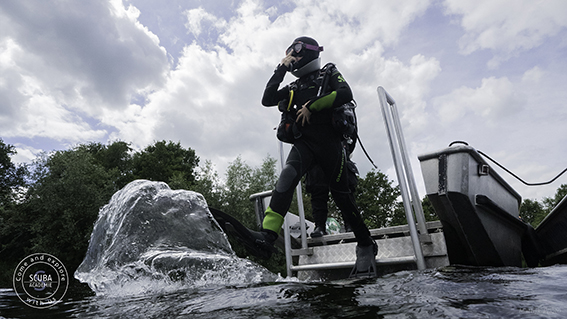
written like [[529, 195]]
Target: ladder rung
[[349, 264]]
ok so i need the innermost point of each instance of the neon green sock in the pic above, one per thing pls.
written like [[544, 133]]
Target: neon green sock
[[272, 221]]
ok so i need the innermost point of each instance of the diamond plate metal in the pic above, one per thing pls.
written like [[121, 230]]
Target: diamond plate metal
[[388, 249]]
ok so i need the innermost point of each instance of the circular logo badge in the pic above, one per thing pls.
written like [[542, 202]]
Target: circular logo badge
[[41, 280]]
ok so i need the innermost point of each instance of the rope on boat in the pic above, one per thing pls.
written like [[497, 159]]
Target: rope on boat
[[510, 172]]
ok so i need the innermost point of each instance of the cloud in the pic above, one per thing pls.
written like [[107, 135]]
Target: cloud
[[96, 62], [42, 115], [211, 100], [78, 57], [28, 110], [197, 19], [507, 27], [495, 99], [81, 71], [534, 75]]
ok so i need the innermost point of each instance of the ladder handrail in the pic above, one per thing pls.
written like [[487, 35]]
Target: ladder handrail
[[404, 172]]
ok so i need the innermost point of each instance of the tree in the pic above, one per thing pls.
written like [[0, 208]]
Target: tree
[[208, 184], [63, 203], [532, 212], [11, 229], [551, 202], [56, 216], [235, 194], [115, 158], [399, 213], [11, 176], [428, 210], [377, 199], [166, 162], [265, 177], [243, 181]]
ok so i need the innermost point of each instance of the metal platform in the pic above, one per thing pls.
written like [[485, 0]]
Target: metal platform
[[333, 256]]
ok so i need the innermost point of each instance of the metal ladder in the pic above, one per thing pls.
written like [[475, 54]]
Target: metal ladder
[[405, 175]]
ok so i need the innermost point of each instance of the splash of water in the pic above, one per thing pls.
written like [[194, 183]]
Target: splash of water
[[149, 237]]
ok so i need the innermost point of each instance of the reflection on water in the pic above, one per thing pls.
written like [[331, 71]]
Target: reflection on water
[[450, 292]]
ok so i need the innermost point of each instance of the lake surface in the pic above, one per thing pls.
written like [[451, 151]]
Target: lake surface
[[158, 253], [449, 292]]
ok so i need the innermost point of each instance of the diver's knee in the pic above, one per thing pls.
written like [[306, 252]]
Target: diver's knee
[[287, 178]]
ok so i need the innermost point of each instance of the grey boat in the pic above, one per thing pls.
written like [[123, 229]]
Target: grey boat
[[479, 211]]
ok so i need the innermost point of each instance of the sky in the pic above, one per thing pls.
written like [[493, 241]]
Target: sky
[[492, 73]]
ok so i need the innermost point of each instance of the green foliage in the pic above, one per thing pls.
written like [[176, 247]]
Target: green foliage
[[207, 183], [534, 212], [65, 191], [551, 202], [166, 162], [115, 158], [60, 194], [398, 215], [235, 194], [63, 203], [428, 210], [377, 200], [265, 177], [243, 181], [11, 227], [11, 176]]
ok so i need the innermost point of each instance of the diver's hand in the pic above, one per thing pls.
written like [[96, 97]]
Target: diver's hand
[[303, 114], [288, 61]]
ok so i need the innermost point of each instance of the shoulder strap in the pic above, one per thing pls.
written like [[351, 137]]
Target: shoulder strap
[[328, 67], [293, 85], [324, 75]]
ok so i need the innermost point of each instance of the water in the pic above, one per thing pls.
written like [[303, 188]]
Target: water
[[450, 292], [158, 253]]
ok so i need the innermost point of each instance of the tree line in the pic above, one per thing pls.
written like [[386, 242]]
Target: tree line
[[50, 205]]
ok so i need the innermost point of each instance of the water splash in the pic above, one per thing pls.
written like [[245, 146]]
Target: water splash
[[151, 238]]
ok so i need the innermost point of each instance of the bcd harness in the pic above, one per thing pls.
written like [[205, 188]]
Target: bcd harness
[[344, 118]]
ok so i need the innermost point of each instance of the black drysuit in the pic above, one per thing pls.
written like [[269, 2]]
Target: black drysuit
[[319, 144]]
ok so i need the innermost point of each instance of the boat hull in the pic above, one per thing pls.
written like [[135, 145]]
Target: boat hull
[[552, 235], [479, 211]]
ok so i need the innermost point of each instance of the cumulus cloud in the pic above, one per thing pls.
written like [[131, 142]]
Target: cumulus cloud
[[211, 100], [197, 19], [533, 75], [78, 57], [494, 99], [97, 71], [507, 26]]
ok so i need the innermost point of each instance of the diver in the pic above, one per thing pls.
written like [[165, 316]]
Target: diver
[[315, 142]]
